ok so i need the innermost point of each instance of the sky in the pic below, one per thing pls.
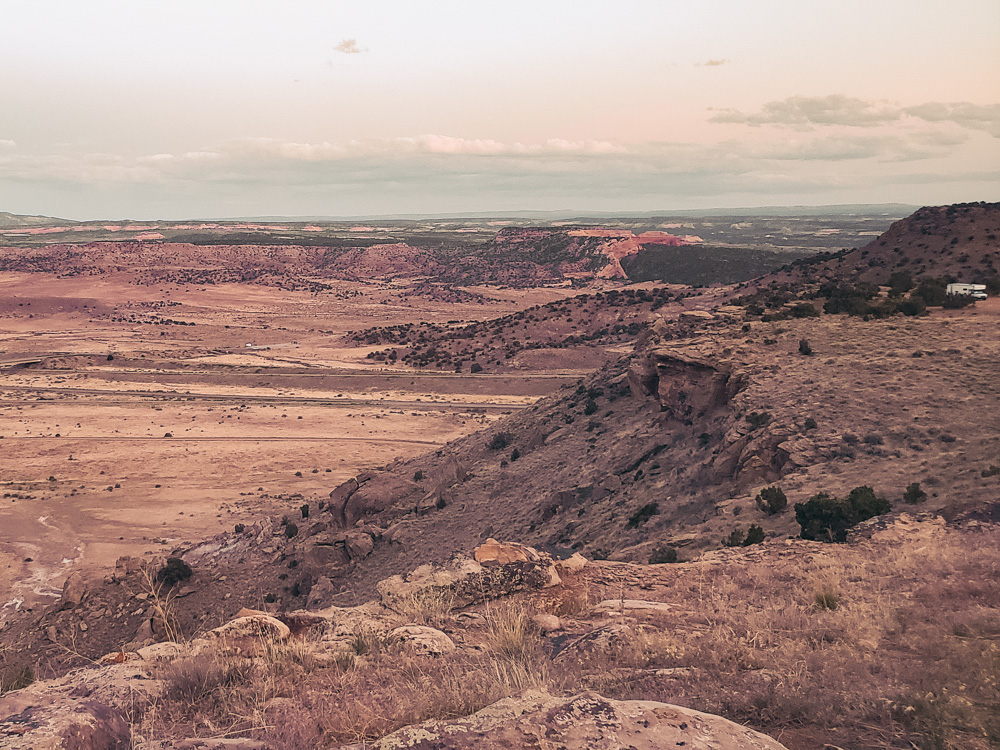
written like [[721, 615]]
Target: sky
[[146, 109]]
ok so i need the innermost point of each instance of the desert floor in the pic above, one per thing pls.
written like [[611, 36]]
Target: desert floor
[[134, 435]]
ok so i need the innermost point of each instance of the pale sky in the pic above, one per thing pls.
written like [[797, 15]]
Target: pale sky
[[149, 109]]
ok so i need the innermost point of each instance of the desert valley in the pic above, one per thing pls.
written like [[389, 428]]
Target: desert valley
[[502, 482]]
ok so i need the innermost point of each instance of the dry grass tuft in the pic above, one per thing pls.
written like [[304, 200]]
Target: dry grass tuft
[[430, 606]]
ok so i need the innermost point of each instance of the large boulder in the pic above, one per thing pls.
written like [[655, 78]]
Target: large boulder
[[499, 569], [252, 627], [382, 493], [423, 639], [73, 591], [584, 722]]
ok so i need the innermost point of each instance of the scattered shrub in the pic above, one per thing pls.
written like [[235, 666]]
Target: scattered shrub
[[174, 571], [810, 423], [931, 291], [738, 538], [663, 555], [827, 518], [291, 530], [418, 476], [755, 535], [15, 678], [826, 598], [475, 367], [239, 528], [515, 454], [500, 441], [590, 407], [758, 419], [804, 348], [913, 306], [304, 510], [735, 539], [957, 301], [771, 500], [914, 494], [642, 515]]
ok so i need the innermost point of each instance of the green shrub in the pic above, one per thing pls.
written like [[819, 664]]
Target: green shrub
[[738, 538], [174, 571], [735, 539], [957, 301], [771, 500], [663, 555], [913, 306], [932, 291], [914, 494], [803, 310], [755, 535], [642, 515], [900, 283], [500, 441], [827, 518]]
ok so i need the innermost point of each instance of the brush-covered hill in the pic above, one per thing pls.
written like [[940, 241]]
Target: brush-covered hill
[[960, 242]]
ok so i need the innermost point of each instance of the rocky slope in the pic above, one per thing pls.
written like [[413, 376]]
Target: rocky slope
[[959, 242]]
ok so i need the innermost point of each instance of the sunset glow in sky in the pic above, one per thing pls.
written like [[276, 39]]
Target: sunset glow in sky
[[151, 109]]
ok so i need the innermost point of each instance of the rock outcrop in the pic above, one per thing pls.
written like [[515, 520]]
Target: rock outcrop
[[583, 722]]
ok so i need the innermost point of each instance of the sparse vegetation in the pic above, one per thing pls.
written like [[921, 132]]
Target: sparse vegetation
[[174, 571], [914, 494], [663, 555], [500, 440], [827, 518], [771, 500], [642, 515]]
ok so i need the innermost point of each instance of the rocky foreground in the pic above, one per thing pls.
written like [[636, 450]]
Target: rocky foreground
[[510, 648]]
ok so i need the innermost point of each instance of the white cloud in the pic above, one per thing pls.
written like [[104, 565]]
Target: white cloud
[[7, 144], [807, 112]]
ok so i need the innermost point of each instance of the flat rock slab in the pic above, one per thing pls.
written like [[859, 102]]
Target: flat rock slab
[[584, 722], [634, 604]]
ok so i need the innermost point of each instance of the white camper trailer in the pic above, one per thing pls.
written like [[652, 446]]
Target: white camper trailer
[[976, 291]]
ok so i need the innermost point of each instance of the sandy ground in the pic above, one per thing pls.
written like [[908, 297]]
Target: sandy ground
[[186, 430]]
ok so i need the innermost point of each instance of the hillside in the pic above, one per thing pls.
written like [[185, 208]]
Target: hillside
[[879, 430], [960, 242], [15, 221]]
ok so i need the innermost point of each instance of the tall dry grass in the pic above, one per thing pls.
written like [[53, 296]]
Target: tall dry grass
[[908, 657]]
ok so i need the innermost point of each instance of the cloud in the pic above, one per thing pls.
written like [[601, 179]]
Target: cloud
[[807, 112], [7, 144], [963, 114], [349, 47], [441, 172], [714, 63]]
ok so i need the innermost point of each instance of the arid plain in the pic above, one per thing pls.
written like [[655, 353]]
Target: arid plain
[[132, 437]]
